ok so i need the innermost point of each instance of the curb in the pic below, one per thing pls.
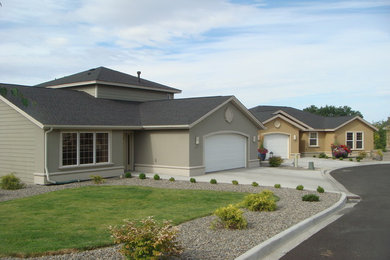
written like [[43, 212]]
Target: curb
[[338, 185], [262, 250]]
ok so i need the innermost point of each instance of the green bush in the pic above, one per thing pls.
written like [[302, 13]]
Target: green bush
[[192, 180], [156, 177], [358, 159], [322, 155], [341, 158], [213, 181], [142, 176], [171, 179], [310, 197], [11, 182], [275, 161], [299, 187], [229, 217], [362, 155], [314, 156], [320, 189], [97, 179], [255, 184], [263, 201], [350, 159], [234, 182], [128, 175], [278, 186], [333, 157], [147, 239]]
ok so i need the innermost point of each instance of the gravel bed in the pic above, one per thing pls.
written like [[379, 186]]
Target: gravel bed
[[199, 241]]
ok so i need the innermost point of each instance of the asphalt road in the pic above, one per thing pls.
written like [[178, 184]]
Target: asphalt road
[[364, 231]]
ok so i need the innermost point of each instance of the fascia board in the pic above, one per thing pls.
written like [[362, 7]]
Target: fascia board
[[20, 111], [94, 127], [358, 118], [292, 118]]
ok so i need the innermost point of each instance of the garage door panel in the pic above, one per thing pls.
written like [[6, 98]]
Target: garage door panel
[[278, 144], [224, 151]]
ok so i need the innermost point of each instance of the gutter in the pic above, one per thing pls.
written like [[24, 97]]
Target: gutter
[[46, 168]]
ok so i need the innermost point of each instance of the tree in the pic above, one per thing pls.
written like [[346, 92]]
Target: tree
[[333, 111], [380, 135]]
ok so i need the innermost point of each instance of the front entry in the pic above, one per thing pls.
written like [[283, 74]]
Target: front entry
[[128, 160]]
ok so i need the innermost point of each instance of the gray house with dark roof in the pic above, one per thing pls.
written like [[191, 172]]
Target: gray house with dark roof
[[104, 122], [290, 131]]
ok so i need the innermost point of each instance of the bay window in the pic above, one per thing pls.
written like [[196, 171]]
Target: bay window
[[84, 148]]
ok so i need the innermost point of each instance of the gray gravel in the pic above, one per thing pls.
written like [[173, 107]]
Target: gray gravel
[[199, 241]]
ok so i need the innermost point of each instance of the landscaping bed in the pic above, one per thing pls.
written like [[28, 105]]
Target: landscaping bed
[[199, 241]]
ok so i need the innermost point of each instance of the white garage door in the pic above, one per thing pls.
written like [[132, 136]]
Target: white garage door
[[278, 144], [224, 151]]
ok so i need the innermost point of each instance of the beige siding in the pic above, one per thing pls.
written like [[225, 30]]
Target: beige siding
[[216, 123], [91, 90], [325, 139], [21, 145], [284, 128], [357, 126], [122, 93]]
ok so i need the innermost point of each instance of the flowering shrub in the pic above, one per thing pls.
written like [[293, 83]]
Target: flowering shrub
[[262, 150], [147, 239], [340, 151]]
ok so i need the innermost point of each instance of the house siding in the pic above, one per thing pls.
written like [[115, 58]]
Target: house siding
[[357, 126], [130, 94], [216, 123], [21, 145], [162, 151], [325, 139]]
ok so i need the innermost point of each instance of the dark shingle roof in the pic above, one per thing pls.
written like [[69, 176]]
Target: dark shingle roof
[[69, 107], [264, 113], [110, 76]]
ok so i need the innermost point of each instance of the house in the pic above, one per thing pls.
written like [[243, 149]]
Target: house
[[291, 132], [104, 122]]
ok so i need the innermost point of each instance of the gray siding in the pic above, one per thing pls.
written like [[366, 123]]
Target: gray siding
[[21, 145], [217, 123], [130, 94]]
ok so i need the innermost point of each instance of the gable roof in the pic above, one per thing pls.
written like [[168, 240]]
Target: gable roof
[[65, 108], [305, 119], [102, 75]]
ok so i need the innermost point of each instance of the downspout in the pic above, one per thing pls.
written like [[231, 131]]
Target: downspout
[[46, 168]]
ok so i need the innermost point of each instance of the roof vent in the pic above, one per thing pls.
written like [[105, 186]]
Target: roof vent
[[139, 76]]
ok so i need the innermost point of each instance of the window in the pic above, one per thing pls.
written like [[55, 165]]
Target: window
[[313, 139], [355, 140], [84, 148]]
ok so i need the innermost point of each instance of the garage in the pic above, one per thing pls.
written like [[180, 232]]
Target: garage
[[224, 151], [278, 144]]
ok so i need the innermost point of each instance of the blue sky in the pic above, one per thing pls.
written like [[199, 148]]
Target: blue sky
[[292, 53]]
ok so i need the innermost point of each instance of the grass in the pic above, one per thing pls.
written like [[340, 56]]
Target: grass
[[79, 218]]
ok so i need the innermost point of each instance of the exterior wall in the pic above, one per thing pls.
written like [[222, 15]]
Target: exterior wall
[[216, 123], [77, 173], [325, 139], [21, 145], [284, 128], [123, 93], [388, 138], [357, 126], [91, 90], [162, 151]]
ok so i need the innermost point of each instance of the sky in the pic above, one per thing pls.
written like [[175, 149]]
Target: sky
[[264, 52]]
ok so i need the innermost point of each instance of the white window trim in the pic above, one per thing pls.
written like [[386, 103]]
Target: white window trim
[[78, 149], [354, 139], [316, 145]]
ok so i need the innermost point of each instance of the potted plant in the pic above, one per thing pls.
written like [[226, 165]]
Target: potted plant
[[262, 152]]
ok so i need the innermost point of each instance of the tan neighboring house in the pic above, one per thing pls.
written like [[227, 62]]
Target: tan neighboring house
[[104, 122], [291, 131]]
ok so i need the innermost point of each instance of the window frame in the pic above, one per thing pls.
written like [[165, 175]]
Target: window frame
[[355, 139], [362, 140], [94, 163], [316, 145]]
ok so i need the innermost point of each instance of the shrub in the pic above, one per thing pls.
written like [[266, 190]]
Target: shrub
[[278, 186], [362, 155], [299, 187], [334, 158], [314, 156], [326, 157], [11, 182], [358, 159], [340, 151], [320, 189], [229, 217], [192, 180], [310, 197], [156, 177], [275, 161], [255, 184], [147, 239], [263, 201], [171, 179], [213, 181], [350, 159], [128, 175], [341, 158], [97, 179], [234, 182], [322, 155], [142, 176]]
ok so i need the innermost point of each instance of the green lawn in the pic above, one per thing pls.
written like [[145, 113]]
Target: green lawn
[[79, 218]]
